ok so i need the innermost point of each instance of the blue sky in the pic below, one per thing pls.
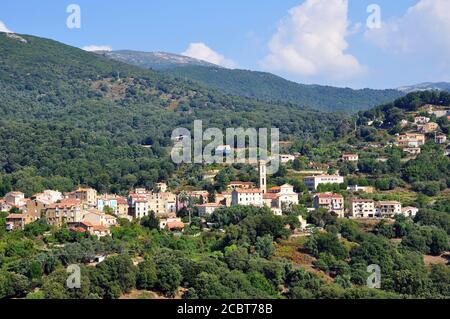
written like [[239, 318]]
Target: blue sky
[[308, 41]]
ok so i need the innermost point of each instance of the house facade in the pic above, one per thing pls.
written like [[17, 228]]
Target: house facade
[[332, 202], [388, 209], [350, 157], [312, 182], [207, 209], [410, 211], [362, 208], [15, 199], [247, 197], [85, 195], [411, 140], [66, 211]]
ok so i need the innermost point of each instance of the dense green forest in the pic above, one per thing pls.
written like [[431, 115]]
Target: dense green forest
[[263, 86], [269, 87], [243, 262], [390, 114], [71, 117]]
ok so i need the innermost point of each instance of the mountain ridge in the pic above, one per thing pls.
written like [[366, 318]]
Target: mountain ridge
[[157, 60], [263, 86], [425, 86]]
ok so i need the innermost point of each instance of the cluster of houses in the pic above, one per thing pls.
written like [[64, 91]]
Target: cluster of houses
[[362, 208], [411, 142], [78, 209], [83, 210]]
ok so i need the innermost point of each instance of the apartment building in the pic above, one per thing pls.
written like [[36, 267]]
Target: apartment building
[[65, 211], [247, 197], [312, 182], [388, 209], [362, 208], [142, 203]]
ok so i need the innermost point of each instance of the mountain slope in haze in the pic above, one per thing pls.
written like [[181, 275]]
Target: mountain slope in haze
[[259, 85], [71, 117], [269, 87], [427, 86], [154, 60]]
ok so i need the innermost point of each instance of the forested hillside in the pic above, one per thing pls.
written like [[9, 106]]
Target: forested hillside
[[269, 87], [154, 60], [71, 117], [390, 114], [259, 85]]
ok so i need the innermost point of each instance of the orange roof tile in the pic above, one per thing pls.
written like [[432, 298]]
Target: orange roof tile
[[15, 216], [175, 225], [100, 228], [270, 196]]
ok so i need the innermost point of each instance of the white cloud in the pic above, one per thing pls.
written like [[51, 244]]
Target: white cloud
[[201, 51], [311, 41], [91, 48], [423, 28], [3, 28]]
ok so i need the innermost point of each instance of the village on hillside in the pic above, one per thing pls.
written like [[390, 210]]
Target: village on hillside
[[84, 210]]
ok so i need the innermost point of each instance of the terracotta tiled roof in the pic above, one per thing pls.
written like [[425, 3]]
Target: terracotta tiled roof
[[122, 201], [175, 225], [100, 228], [275, 189], [15, 216], [87, 224], [66, 202], [270, 196]]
